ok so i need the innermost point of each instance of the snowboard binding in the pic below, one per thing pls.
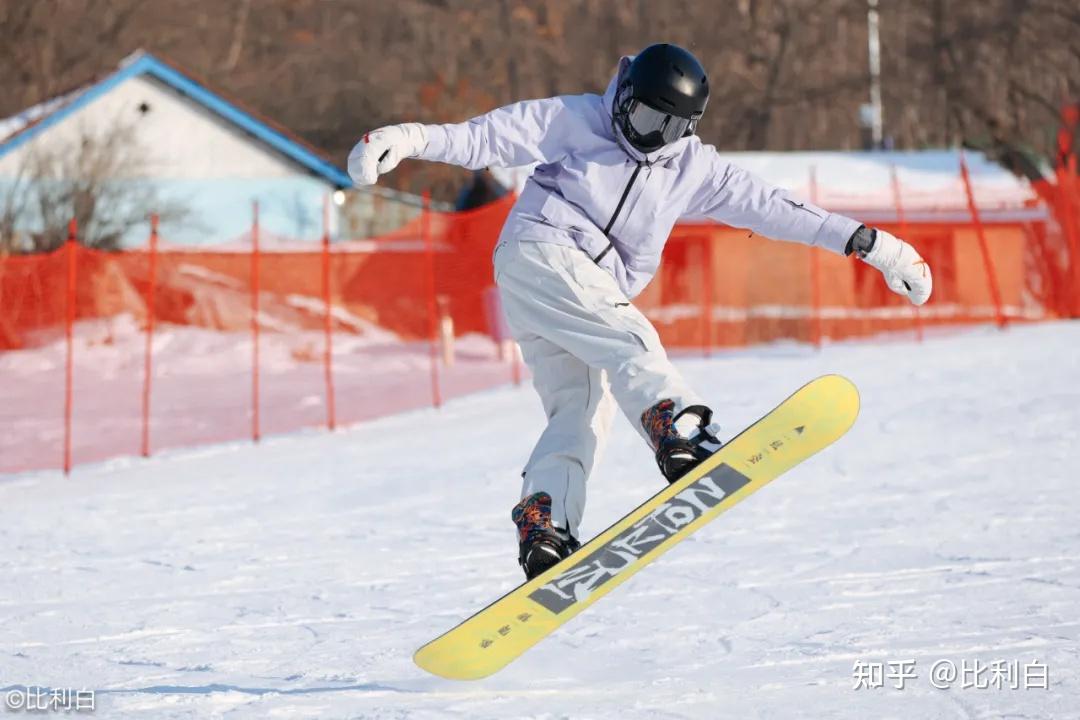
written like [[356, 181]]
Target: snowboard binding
[[541, 545], [682, 440]]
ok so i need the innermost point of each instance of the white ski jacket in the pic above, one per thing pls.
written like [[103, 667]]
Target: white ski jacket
[[594, 191]]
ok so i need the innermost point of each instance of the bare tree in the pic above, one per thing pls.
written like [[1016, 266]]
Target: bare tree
[[98, 179]]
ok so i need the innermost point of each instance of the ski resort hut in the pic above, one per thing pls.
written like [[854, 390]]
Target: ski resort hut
[[204, 156]]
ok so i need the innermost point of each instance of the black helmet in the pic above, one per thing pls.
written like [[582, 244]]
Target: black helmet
[[661, 98]]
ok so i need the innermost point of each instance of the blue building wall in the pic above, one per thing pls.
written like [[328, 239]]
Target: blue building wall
[[218, 211], [221, 210]]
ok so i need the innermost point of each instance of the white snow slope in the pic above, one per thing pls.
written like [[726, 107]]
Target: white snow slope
[[294, 579]]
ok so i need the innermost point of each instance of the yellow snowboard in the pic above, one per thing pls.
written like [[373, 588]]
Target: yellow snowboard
[[808, 421]]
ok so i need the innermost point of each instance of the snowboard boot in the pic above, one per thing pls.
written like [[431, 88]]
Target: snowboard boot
[[541, 544], [682, 440]]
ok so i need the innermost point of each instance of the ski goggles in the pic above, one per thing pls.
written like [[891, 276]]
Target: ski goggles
[[655, 128]]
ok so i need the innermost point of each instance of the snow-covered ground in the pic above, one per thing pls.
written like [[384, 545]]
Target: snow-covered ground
[[295, 579], [202, 387]]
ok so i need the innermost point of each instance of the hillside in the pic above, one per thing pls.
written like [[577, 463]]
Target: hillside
[[785, 74]]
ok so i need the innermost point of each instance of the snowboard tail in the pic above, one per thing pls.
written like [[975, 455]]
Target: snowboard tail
[[811, 419]]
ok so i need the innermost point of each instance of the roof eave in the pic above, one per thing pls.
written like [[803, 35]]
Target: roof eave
[[142, 63]]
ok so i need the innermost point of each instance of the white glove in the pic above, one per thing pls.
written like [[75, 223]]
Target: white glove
[[906, 273], [380, 151]]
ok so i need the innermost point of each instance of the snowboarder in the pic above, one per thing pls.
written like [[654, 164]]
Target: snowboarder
[[615, 173]]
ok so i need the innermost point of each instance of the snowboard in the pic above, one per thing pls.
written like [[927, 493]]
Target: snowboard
[[811, 419]]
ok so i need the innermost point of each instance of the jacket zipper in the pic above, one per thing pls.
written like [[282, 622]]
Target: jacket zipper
[[615, 215], [800, 206]]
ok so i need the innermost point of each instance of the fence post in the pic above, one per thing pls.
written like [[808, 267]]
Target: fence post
[[433, 319], [1068, 200], [255, 321], [515, 363], [1074, 220], [151, 293], [71, 248], [901, 218], [328, 355], [707, 295], [815, 273], [988, 263]]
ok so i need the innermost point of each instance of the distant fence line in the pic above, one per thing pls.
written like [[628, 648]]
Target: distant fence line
[[355, 330]]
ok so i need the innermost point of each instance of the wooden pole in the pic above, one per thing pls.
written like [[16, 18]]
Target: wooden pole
[[328, 320], [255, 433], [515, 360], [148, 374], [72, 248], [433, 319]]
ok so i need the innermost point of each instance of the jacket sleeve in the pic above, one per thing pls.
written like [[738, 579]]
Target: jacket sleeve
[[519, 134], [735, 197]]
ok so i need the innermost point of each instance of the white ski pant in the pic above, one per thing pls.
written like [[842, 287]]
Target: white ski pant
[[586, 346]]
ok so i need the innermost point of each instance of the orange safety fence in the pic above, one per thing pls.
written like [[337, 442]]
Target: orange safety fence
[[104, 354]]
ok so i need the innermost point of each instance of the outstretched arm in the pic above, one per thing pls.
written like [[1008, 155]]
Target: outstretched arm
[[738, 198], [741, 199], [518, 134]]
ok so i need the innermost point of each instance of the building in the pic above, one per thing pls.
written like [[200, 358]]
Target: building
[[202, 153]]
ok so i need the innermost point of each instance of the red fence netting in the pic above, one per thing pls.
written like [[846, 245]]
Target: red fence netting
[[125, 353]]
